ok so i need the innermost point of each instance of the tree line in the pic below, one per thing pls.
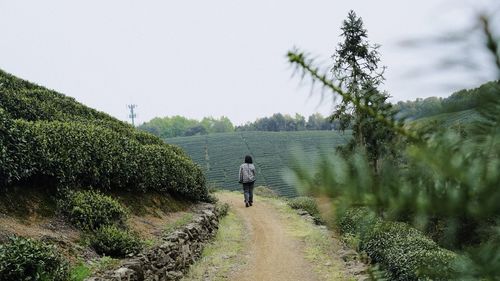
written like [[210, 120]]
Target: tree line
[[178, 126], [285, 122], [458, 101]]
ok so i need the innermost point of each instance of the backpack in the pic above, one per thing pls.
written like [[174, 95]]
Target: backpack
[[247, 174]]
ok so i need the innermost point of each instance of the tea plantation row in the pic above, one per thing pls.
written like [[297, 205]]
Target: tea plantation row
[[220, 155], [457, 119]]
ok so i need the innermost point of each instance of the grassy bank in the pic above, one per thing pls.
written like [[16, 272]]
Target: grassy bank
[[218, 259]]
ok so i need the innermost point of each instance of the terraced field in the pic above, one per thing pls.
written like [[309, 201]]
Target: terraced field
[[220, 155], [447, 120]]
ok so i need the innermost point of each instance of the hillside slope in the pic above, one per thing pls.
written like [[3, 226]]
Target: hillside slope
[[51, 140], [448, 120], [24, 100], [457, 110], [220, 155]]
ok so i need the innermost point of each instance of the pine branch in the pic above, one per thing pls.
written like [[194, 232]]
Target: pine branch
[[299, 59], [491, 43]]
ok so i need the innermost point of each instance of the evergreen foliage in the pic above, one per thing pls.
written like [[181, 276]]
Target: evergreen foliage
[[357, 72], [28, 259], [444, 184]]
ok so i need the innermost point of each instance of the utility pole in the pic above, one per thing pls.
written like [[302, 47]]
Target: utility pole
[[132, 114]]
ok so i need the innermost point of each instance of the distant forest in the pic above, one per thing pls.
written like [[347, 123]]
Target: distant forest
[[177, 126], [458, 101]]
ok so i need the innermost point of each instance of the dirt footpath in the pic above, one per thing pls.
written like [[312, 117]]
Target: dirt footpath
[[273, 254]]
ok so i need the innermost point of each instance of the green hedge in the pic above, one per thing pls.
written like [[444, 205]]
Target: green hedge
[[89, 210], [45, 105], [12, 161], [304, 203], [28, 259], [74, 153], [404, 251], [42, 104], [27, 101], [222, 209], [115, 242]]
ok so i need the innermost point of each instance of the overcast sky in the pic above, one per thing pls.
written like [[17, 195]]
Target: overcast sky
[[213, 58]]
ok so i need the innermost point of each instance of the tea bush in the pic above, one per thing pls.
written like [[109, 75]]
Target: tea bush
[[112, 241], [265, 192], [90, 210], [222, 209], [73, 153], [404, 251], [28, 259], [147, 138], [304, 203], [28, 101]]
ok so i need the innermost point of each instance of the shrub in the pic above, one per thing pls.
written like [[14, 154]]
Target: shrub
[[147, 138], [28, 259], [265, 192], [222, 209], [28, 101], [90, 210], [112, 241], [304, 203], [73, 153], [79, 272], [104, 263], [163, 169], [13, 166], [404, 251]]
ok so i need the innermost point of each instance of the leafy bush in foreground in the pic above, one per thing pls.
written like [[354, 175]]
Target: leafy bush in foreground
[[104, 220], [112, 241], [404, 251], [222, 209], [265, 192], [28, 259], [73, 153], [305, 203], [89, 210]]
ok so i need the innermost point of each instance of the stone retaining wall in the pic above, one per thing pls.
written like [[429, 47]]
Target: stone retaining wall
[[172, 258]]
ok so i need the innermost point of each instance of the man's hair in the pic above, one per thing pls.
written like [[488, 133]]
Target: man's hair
[[248, 159]]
